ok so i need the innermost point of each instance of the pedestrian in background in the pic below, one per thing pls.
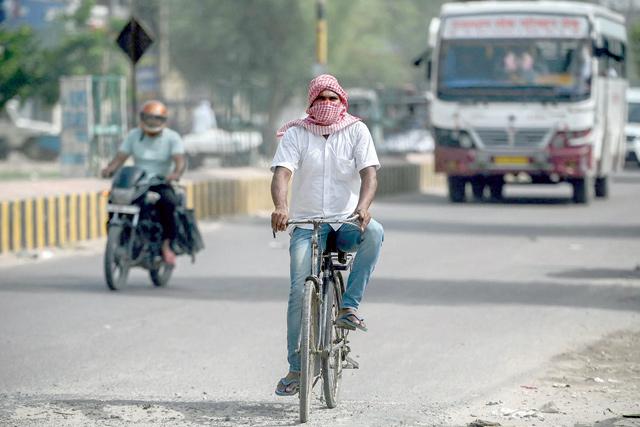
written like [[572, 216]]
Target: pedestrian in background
[[204, 118]]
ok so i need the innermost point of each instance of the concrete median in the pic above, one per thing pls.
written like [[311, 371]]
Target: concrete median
[[50, 220]]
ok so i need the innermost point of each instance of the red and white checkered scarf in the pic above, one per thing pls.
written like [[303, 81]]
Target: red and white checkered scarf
[[324, 117]]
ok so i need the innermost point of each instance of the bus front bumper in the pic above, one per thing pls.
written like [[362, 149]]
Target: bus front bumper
[[565, 162]]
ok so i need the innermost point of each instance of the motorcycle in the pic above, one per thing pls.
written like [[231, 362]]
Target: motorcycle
[[134, 237]]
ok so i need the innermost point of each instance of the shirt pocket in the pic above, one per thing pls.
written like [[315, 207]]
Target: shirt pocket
[[345, 169]]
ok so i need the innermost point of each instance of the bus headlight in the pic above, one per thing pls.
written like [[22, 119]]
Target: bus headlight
[[453, 138], [564, 139]]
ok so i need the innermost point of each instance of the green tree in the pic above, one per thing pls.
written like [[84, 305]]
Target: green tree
[[235, 44], [374, 42], [269, 46], [21, 71], [28, 70]]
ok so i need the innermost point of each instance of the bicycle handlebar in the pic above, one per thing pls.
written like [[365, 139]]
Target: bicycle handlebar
[[349, 220], [317, 221]]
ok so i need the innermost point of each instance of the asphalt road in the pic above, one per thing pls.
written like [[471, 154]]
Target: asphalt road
[[468, 302]]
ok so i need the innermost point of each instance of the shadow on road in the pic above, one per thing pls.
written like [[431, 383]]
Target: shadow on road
[[437, 199], [514, 230], [380, 290], [597, 273], [168, 413], [627, 179]]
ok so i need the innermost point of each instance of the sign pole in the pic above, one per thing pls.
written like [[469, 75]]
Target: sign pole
[[321, 38], [134, 41], [134, 85]]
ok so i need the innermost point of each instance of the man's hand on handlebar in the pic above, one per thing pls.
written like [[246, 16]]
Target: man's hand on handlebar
[[106, 172], [279, 219], [173, 177], [363, 218]]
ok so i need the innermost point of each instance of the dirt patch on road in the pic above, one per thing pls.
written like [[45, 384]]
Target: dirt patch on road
[[596, 386]]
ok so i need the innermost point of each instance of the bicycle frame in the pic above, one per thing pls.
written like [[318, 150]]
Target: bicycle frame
[[317, 340], [321, 266]]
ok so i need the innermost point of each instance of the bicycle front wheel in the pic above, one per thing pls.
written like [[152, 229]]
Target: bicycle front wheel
[[333, 340], [308, 330]]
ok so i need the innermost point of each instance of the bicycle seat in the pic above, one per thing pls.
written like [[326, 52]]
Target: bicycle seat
[[332, 247]]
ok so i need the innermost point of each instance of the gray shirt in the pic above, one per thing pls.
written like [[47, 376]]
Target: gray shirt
[[153, 154]]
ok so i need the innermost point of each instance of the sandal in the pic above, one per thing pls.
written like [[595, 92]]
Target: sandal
[[287, 387], [350, 320]]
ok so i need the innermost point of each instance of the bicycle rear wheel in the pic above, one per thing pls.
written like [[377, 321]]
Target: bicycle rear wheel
[[308, 333], [332, 364]]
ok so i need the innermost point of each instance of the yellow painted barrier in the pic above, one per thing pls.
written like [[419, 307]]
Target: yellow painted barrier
[[189, 201], [16, 220], [62, 220], [73, 218], [28, 224], [4, 227], [103, 216], [51, 221], [82, 218], [94, 213], [40, 223]]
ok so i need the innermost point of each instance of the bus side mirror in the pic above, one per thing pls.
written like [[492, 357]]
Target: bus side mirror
[[424, 57], [600, 52]]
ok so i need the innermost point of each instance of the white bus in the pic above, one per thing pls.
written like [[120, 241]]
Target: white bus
[[528, 92]]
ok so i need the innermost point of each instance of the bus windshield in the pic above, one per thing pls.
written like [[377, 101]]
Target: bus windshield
[[514, 70]]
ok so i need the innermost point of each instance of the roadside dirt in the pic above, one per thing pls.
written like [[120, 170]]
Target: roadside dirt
[[596, 386]]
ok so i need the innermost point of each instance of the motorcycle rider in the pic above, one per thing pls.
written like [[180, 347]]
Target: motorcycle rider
[[155, 148]]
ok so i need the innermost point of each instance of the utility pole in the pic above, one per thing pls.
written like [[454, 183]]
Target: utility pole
[[163, 47], [134, 85], [321, 38]]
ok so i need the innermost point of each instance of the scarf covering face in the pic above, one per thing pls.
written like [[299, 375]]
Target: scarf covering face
[[324, 117]]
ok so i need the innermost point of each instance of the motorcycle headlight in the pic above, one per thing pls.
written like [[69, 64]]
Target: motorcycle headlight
[[122, 196], [151, 197]]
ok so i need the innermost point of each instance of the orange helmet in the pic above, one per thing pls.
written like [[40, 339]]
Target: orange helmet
[[153, 116]]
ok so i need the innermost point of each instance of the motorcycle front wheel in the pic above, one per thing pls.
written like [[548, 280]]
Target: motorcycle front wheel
[[116, 268]]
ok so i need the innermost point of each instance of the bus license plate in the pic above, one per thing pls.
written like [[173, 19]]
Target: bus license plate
[[511, 160]]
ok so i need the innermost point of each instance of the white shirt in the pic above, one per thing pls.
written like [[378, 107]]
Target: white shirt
[[326, 172]]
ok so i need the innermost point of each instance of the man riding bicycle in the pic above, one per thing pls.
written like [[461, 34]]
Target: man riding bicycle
[[154, 148], [335, 165]]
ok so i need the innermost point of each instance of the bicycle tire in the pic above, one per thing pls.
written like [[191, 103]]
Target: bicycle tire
[[307, 342], [332, 364]]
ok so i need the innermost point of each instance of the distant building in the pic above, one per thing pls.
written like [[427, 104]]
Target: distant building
[[37, 14]]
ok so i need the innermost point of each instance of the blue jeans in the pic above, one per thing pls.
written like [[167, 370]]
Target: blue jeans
[[348, 239]]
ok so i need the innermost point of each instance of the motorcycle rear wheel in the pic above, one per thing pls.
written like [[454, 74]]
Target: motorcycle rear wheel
[[116, 269], [161, 275]]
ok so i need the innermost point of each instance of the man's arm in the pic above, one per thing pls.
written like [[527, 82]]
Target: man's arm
[[368, 186], [179, 166], [114, 164], [279, 190]]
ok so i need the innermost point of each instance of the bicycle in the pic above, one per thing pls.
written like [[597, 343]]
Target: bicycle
[[323, 347]]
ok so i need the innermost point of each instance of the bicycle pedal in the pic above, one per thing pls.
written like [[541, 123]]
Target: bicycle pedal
[[349, 363]]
